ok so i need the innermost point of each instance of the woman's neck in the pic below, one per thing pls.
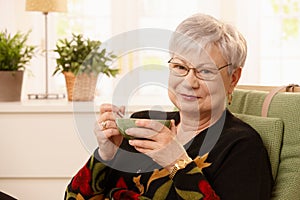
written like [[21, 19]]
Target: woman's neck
[[190, 125]]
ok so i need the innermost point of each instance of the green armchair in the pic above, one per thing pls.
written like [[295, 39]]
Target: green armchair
[[280, 131]]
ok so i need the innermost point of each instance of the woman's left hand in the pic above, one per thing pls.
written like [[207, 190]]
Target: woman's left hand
[[161, 142]]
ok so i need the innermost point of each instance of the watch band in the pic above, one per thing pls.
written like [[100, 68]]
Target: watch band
[[180, 164], [174, 170]]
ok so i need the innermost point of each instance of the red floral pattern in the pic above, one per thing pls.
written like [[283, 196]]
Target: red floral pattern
[[125, 194], [81, 187], [121, 191], [82, 181], [208, 192], [121, 183]]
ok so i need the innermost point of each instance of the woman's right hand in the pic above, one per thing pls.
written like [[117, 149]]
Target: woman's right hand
[[108, 136]]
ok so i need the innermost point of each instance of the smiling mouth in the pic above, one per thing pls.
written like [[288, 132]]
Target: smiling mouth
[[189, 97]]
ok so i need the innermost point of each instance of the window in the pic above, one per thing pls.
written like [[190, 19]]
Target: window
[[280, 39], [271, 28], [121, 16], [92, 18]]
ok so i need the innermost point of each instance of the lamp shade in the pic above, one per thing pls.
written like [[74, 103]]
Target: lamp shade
[[46, 5]]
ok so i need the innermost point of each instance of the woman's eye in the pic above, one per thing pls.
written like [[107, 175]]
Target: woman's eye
[[205, 71], [180, 67]]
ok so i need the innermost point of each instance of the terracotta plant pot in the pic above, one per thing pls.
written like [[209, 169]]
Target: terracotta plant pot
[[11, 85]]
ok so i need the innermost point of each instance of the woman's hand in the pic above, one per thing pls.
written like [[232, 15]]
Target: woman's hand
[[161, 144], [106, 131]]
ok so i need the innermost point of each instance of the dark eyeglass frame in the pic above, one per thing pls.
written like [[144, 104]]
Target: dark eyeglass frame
[[195, 68]]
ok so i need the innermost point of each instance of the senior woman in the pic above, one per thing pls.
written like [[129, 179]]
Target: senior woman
[[207, 153]]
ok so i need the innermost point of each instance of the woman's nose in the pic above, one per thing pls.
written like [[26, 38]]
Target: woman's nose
[[191, 80]]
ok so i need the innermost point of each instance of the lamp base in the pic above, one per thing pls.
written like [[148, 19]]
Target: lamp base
[[46, 96]]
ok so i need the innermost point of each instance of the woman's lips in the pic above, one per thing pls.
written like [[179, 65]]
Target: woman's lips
[[189, 97]]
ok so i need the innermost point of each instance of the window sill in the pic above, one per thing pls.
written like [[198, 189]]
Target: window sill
[[63, 105]]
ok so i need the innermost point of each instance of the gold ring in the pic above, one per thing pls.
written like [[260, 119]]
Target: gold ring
[[103, 125]]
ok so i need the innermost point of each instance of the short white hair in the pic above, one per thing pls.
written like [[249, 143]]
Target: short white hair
[[200, 31]]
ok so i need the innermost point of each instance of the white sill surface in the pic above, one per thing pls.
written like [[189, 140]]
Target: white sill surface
[[63, 105]]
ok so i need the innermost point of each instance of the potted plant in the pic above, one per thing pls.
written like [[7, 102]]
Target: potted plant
[[15, 54], [81, 60]]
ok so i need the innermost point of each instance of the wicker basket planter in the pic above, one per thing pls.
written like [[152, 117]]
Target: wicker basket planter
[[81, 87], [81, 60]]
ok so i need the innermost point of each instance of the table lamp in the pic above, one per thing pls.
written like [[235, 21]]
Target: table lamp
[[46, 6]]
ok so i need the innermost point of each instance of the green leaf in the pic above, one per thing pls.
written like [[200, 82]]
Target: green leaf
[[15, 54], [82, 55], [191, 195], [162, 191]]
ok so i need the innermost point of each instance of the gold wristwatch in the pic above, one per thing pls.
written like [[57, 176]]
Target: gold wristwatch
[[180, 164]]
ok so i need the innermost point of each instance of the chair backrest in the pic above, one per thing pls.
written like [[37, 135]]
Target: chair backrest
[[280, 131]]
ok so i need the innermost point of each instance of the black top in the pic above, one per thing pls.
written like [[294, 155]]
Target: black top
[[240, 168]]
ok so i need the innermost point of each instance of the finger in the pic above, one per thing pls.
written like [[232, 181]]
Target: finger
[[150, 124], [143, 146], [173, 127], [107, 140], [100, 128], [141, 150], [107, 124], [111, 132], [107, 133], [107, 116], [105, 108], [111, 108], [141, 132]]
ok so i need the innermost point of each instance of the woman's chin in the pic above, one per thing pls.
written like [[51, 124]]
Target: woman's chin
[[187, 106]]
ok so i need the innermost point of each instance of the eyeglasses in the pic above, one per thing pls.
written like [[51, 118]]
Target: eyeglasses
[[206, 71]]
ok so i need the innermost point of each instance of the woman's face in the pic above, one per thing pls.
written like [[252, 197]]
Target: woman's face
[[193, 95]]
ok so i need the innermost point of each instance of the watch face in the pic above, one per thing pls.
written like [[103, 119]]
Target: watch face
[[181, 164]]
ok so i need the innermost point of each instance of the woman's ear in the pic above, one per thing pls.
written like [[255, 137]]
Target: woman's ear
[[234, 78]]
